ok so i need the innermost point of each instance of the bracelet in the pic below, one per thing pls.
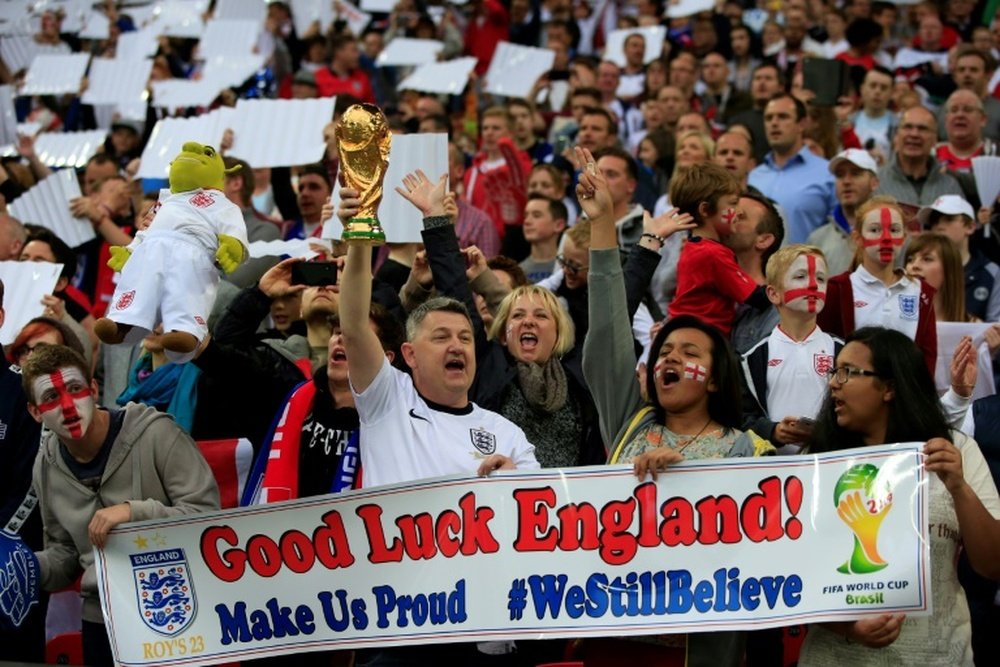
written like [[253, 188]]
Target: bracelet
[[432, 221], [650, 235]]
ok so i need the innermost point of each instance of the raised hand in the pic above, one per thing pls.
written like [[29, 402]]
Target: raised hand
[[964, 369], [592, 188], [668, 223], [943, 458], [876, 631], [350, 204], [655, 461], [428, 197]]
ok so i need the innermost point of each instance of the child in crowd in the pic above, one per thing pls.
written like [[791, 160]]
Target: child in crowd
[[785, 375], [953, 217], [877, 293], [709, 281]]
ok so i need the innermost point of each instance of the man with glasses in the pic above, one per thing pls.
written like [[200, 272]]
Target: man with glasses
[[964, 123], [913, 176]]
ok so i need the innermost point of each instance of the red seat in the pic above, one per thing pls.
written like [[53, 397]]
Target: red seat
[[65, 649]]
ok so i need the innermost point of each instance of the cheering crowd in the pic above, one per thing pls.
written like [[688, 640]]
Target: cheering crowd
[[661, 254]]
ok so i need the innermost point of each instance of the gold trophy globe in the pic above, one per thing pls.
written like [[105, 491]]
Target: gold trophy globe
[[363, 141]]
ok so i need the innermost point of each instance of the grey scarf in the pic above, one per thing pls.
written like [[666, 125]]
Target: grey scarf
[[543, 385]]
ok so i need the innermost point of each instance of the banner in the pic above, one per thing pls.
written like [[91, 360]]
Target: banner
[[711, 545]]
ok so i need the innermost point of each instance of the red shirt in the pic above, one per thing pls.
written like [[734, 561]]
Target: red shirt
[[710, 283], [951, 162], [357, 83]]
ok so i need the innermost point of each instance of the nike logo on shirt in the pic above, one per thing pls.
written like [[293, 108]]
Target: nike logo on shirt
[[416, 416]]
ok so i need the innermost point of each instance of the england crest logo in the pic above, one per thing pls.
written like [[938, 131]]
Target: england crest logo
[[483, 440], [164, 591], [822, 363], [908, 306]]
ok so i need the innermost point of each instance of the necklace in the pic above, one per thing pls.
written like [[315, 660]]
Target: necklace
[[681, 444]]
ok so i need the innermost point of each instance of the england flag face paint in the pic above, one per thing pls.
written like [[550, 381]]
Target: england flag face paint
[[804, 284], [65, 402], [696, 372], [883, 234]]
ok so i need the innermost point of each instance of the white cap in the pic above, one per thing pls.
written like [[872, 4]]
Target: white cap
[[946, 205], [856, 156]]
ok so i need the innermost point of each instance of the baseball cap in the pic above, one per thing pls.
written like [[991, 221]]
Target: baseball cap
[[856, 156], [946, 205]]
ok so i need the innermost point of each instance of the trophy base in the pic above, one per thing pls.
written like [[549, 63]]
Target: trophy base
[[363, 231]]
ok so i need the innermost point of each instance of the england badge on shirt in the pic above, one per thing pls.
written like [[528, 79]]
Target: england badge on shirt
[[908, 306], [483, 440]]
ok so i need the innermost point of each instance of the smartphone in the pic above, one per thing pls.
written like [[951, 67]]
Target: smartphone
[[314, 273], [561, 144], [805, 423]]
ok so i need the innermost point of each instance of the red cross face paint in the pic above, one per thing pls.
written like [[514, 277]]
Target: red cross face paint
[[65, 402], [804, 284], [729, 216], [883, 234], [696, 372]]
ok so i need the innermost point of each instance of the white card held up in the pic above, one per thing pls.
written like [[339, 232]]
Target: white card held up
[[654, 35], [515, 69], [678, 9], [114, 81], [68, 149], [179, 18], [280, 133], [8, 119], [400, 219], [446, 78], [136, 44], [170, 133], [307, 12], [986, 171], [55, 74], [47, 204], [33, 280], [96, 25], [292, 248], [228, 37], [254, 10], [232, 71], [379, 6], [183, 93], [357, 20], [409, 51]]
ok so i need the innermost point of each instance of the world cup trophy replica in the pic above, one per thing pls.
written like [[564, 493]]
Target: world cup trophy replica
[[363, 141]]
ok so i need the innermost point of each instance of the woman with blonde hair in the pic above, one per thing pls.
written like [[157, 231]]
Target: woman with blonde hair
[[934, 259]]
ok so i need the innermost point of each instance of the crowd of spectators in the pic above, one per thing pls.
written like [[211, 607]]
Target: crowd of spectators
[[698, 254]]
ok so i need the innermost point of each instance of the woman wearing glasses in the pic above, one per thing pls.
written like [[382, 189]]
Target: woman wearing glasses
[[881, 392]]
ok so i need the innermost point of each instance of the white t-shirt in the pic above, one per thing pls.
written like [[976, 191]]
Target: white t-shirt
[[405, 438], [894, 307], [201, 214], [796, 373]]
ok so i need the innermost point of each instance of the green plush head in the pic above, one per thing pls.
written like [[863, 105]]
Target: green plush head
[[197, 166]]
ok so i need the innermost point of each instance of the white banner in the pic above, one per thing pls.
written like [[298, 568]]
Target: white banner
[[68, 149], [446, 78], [25, 283], [409, 51], [280, 133], [55, 74], [713, 545], [117, 81], [400, 219], [515, 69], [47, 204]]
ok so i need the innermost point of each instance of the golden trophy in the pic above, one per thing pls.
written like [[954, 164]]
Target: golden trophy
[[363, 141]]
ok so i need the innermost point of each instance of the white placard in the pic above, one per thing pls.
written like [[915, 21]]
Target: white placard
[[291, 248], [47, 204], [117, 81], [907, 57], [307, 12], [228, 37], [68, 149], [251, 10], [8, 119], [233, 70], [25, 283], [409, 51], [400, 219], [180, 18], [678, 9], [280, 133], [136, 44], [446, 78], [170, 133], [380, 6], [96, 25], [515, 69], [615, 48], [182, 93], [13, 10], [948, 336], [357, 20], [55, 74]]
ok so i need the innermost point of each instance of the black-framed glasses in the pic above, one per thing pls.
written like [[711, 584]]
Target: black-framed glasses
[[845, 373], [569, 266]]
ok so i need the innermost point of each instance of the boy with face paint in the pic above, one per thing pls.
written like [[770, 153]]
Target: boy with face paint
[[785, 374], [709, 280], [877, 293], [85, 476]]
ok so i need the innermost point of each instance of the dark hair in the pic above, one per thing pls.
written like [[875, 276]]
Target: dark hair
[[777, 70], [440, 121], [770, 223], [1, 294], [800, 107], [861, 32], [245, 172], [317, 169], [969, 51], [557, 209], [915, 412], [63, 253], [724, 403], [624, 156], [605, 114], [510, 267], [587, 91]]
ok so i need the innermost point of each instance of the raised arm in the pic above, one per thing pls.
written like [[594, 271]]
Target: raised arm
[[363, 347]]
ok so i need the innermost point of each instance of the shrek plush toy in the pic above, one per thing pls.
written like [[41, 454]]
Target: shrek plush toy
[[168, 272]]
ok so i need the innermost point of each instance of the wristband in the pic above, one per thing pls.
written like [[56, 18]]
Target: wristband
[[650, 235], [432, 221]]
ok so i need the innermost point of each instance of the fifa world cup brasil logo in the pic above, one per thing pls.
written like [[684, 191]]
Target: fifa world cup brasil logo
[[862, 503]]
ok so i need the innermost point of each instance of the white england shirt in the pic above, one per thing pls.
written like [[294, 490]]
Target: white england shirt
[[894, 307], [796, 373], [404, 438], [202, 215]]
